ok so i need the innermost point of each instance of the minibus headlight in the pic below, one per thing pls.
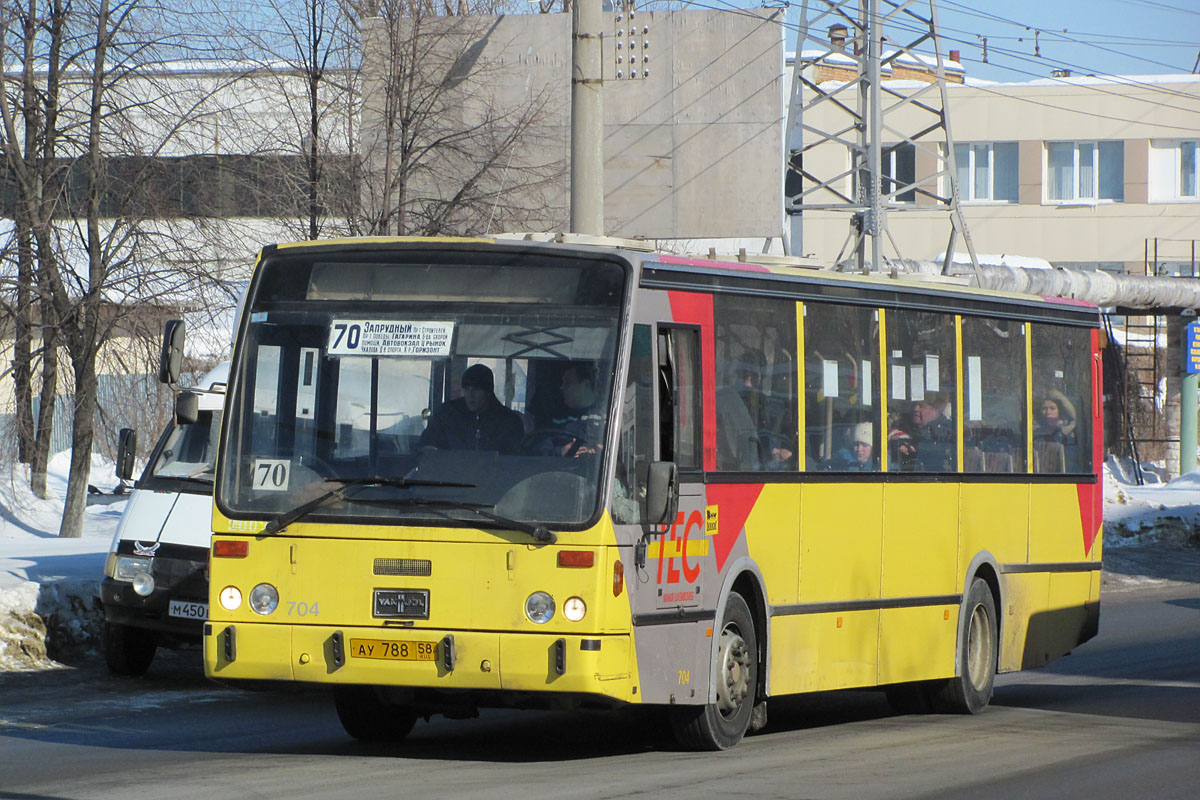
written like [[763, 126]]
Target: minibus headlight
[[143, 584], [264, 599], [126, 568], [539, 607]]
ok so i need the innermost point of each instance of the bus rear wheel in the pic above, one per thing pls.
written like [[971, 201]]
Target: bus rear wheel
[[970, 690], [369, 718], [721, 725]]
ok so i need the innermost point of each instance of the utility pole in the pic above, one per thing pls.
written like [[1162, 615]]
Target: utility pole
[[587, 119]]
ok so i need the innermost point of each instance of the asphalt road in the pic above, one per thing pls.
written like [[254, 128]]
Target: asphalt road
[[1120, 718]]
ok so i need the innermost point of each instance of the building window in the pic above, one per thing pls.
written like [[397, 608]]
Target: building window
[[1174, 170], [1189, 172], [986, 172], [898, 168], [1085, 171]]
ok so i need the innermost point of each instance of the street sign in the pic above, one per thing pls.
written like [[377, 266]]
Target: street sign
[[1191, 348]]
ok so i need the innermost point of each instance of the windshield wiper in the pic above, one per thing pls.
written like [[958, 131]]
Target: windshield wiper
[[288, 517], [540, 533]]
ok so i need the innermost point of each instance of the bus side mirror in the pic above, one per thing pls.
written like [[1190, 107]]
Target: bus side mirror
[[126, 450], [662, 493], [187, 408], [170, 359]]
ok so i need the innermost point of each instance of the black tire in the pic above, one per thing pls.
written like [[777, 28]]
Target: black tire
[[128, 651], [368, 718], [970, 691], [721, 725]]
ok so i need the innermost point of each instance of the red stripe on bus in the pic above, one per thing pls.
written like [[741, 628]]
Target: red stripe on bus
[[1090, 512], [1091, 499], [733, 503]]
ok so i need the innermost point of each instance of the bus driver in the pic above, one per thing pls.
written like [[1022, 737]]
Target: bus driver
[[475, 421]]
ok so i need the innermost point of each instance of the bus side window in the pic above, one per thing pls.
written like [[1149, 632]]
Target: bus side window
[[841, 388], [635, 449], [1061, 398], [922, 434], [993, 395], [756, 383]]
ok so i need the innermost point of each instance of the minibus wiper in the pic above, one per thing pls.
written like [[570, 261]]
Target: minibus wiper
[[288, 517], [540, 533]]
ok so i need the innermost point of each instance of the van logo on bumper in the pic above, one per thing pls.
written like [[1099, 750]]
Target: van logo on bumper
[[140, 549]]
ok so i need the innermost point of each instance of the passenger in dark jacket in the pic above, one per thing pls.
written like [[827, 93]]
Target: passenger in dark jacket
[[475, 421]]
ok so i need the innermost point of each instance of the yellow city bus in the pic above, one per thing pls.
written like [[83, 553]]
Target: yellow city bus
[[461, 473]]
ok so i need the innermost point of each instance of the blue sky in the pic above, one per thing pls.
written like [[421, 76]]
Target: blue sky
[[1125, 37], [1027, 39]]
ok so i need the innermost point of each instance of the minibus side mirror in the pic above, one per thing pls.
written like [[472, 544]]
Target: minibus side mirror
[[662, 493], [170, 359], [187, 408], [126, 450]]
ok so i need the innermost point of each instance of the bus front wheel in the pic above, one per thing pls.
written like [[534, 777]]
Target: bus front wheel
[[369, 718], [970, 690], [721, 725]]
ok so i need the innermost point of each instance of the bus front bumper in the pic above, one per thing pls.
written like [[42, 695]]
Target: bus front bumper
[[441, 660]]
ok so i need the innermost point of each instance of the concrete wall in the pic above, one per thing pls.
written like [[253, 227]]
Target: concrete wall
[[693, 149]]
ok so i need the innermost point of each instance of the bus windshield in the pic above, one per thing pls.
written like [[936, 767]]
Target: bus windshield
[[434, 385]]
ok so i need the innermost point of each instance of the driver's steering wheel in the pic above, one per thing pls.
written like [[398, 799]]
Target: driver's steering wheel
[[552, 435]]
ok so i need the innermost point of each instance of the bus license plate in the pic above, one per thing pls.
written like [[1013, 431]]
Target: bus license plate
[[187, 610], [393, 650]]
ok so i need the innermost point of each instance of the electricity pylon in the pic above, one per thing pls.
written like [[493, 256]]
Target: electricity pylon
[[839, 100]]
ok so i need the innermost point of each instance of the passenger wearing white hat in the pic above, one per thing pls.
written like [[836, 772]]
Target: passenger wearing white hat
[[859, 454]]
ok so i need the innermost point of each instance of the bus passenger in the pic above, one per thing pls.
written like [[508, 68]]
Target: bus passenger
[[859, 455], [475, 421], [925, 442], [1055, 420]]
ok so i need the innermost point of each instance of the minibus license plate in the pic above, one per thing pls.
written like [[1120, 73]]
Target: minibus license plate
[[408, 603], [393, 650], [187, 609]]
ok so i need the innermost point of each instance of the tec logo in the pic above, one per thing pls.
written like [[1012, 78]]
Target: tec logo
[[682, 546]]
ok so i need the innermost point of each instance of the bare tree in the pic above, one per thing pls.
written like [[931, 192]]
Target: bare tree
[[35, 36], [112, 256], [449, 145], [306, 56]]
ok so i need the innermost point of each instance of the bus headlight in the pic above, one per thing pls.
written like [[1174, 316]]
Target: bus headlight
[[574, 609], [539, 607], [264, 599]]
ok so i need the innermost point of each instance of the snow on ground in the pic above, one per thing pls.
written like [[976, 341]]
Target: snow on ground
[[49, 605], [48, 585]]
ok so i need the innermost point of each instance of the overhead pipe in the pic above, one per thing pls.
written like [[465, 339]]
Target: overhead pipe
[[1105, 289]]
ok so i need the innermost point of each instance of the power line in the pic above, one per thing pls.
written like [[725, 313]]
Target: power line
[[1117, 79], [1166, 6]]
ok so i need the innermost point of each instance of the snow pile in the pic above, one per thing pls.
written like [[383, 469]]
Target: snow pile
[[1156, 513], [49, 604]]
